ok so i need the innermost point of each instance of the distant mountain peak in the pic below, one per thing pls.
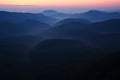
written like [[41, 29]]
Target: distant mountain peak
[[50, 12], [95, 11]]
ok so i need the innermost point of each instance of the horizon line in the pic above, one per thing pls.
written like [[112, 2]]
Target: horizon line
[[56, 11]]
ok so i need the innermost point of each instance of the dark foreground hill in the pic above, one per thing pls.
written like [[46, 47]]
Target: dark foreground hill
[[71, 60]]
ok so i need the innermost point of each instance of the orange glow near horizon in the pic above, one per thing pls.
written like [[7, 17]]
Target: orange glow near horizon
[[62, 3]]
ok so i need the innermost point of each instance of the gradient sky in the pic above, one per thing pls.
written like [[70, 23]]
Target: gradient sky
[[63, 5]]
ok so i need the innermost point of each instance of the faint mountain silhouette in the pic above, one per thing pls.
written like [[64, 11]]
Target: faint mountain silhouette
[[56, 14], [19, 17], [50, 12], [95, 15]]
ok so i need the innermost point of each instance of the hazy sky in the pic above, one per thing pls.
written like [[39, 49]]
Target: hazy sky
[[61, 5]]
